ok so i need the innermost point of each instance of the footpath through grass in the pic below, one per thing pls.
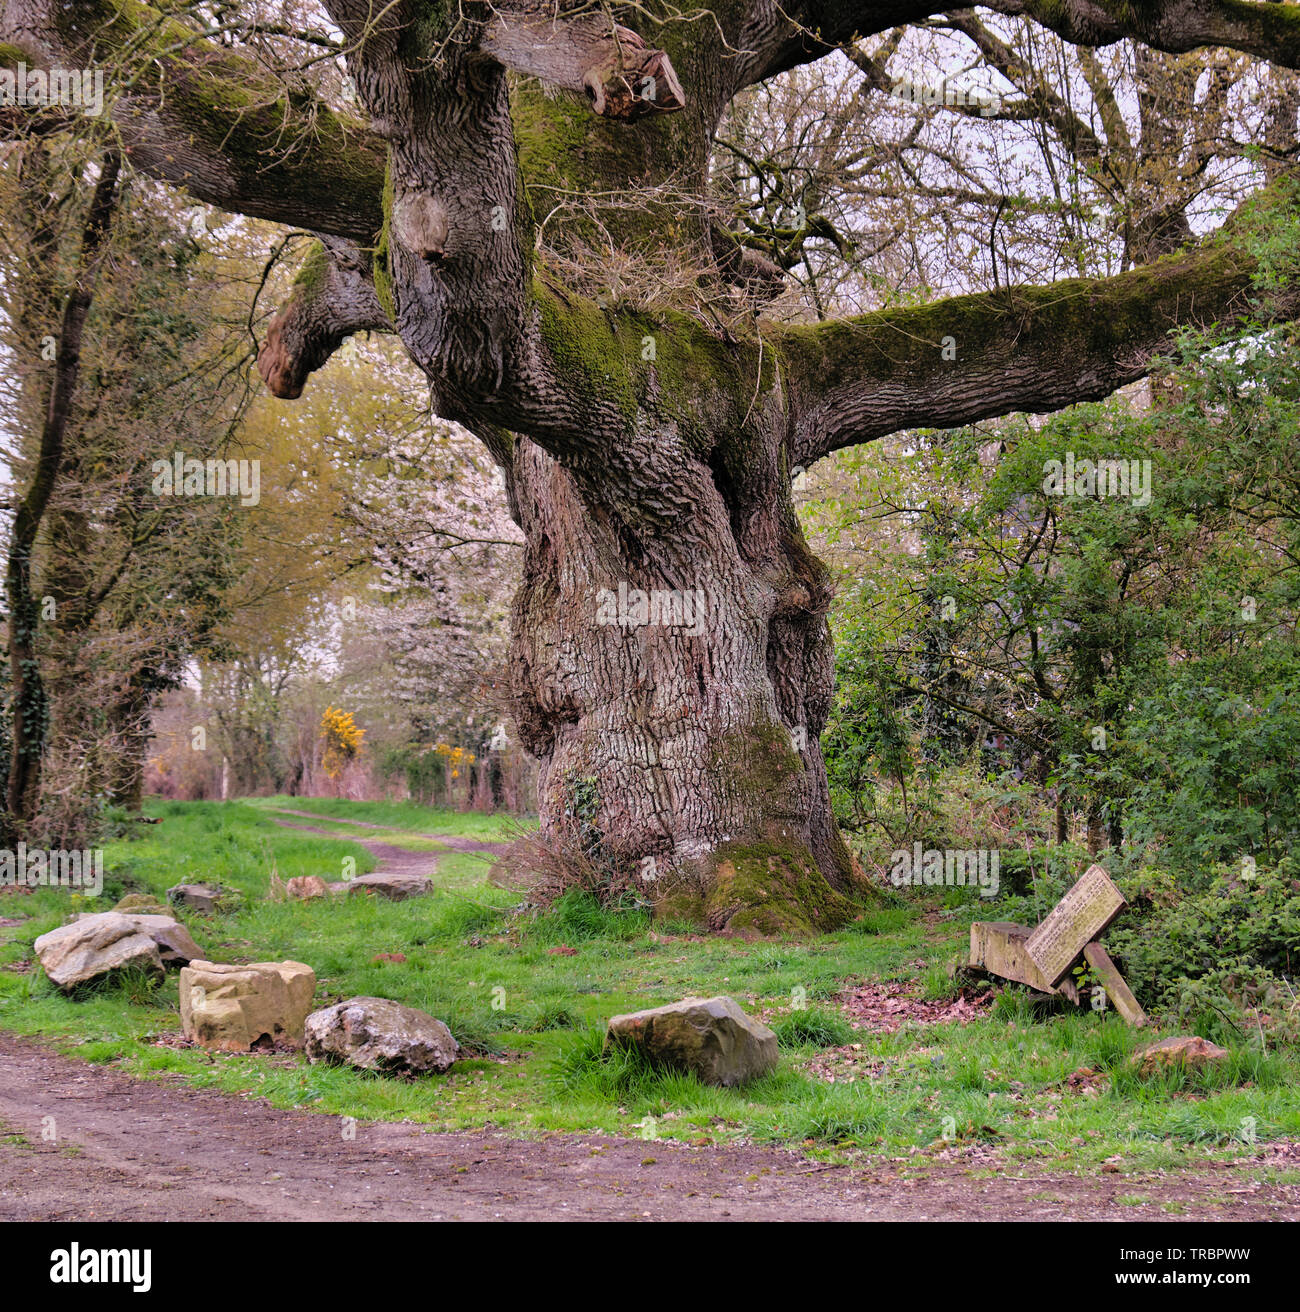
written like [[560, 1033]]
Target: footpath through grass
[[530, 1018], [401, 817]]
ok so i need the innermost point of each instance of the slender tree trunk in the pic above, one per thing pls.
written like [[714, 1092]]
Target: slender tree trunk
[[1096, 829], [128, 725], [29, 705]]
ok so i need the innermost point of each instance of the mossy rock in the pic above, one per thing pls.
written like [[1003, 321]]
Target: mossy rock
[[143, 904], [763, 889], [710, 1038]]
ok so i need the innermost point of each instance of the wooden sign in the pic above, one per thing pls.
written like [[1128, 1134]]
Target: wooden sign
[[1073, 923], [1113, 982], [998, 947]]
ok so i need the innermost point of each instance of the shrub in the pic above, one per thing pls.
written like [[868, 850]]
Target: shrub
[[1208, 956]]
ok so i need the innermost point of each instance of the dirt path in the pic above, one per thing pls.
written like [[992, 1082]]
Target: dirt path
[[131, 1150], [392, 860], [453, 841]]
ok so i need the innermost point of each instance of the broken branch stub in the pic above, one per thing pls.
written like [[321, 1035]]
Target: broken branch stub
[[609, 64]]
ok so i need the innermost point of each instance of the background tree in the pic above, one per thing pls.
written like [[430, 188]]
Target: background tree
[[127, 583], [29, 703]]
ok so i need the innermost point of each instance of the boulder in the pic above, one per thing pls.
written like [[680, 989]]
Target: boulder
[[94, 946], [198, 897], [1187, 1050], [306, 887], [231, 1008], [711, 1038], [396, 887], [175, 946], [379, 1035]]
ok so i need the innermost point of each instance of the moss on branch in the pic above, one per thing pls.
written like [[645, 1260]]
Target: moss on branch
[[274, 152], [654, 362], [1074, 320]]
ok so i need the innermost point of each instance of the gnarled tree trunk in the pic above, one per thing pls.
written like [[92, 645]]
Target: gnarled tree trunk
[[673, 676]]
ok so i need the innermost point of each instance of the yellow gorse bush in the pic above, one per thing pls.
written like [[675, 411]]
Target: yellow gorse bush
[[341, 739], [455, 757]]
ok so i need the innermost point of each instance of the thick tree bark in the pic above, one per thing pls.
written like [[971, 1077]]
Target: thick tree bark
[[650, 464], [692, 738]]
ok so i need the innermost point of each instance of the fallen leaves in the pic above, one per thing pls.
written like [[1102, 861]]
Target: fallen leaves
[[886, 1006], [1085, 1080]]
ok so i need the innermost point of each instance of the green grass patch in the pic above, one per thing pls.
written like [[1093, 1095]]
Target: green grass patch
[[813, 1028], [528, 995]]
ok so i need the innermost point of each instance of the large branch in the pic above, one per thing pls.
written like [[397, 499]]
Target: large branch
[[333, 297], [208, 118], [782, 34], [1030, 349], [779, 35], [214, 121], [1262, 28]]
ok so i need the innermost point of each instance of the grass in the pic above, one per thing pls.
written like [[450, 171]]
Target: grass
[[531, 1018], [813, 1028]]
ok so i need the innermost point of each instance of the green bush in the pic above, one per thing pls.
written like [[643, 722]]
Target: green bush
[[1206, 955]]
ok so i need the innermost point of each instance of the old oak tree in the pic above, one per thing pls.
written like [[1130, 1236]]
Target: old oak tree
[[649, 446]]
